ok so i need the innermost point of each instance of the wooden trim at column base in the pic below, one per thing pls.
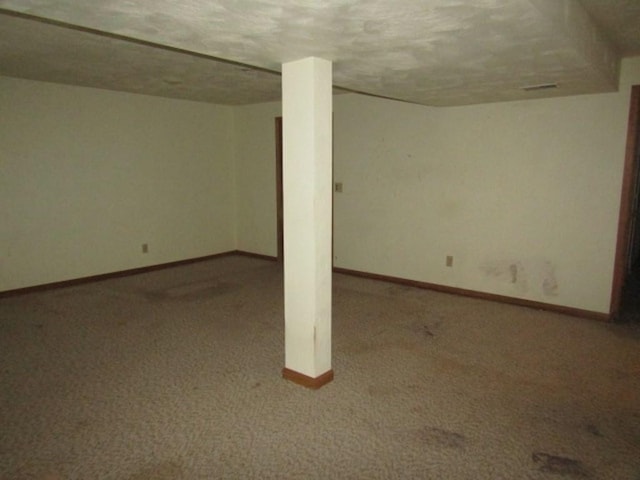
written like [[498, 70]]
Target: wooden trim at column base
[[305, 381]]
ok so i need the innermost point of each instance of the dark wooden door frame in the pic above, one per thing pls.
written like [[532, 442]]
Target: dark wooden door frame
[[279, 195], [626, 199]]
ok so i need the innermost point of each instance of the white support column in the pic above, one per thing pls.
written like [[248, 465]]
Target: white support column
[[307, 184]]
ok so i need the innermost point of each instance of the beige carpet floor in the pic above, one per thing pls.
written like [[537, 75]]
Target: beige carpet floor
[[175, 374]]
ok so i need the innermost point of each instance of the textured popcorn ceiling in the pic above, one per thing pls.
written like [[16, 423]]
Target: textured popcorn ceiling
[[434, 52], [620, 19], [74, 57]]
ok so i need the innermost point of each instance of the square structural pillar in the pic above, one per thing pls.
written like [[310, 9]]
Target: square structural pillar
[[307, 184]]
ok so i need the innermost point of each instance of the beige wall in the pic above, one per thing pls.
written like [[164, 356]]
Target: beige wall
[[524, 195], [87, 176], [256, 177]]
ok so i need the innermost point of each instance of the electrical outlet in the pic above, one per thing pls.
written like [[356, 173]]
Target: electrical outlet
[[449, 261], [338, 187], [145, 248]]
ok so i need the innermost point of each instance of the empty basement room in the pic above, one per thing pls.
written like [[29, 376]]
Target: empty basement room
[[342, 239]]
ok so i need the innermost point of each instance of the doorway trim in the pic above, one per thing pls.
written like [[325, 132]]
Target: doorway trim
[[626, 198]]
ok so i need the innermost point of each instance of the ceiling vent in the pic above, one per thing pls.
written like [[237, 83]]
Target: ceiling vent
[[542, 86]]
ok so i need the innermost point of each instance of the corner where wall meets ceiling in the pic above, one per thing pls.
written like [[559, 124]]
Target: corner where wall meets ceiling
[[436, 52]]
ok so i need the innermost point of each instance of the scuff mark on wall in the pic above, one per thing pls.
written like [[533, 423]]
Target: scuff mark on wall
[[549, 282], [506, 271], [533, 276], [513, 268]]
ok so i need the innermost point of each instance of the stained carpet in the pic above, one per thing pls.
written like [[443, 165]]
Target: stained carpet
[[175, 374]]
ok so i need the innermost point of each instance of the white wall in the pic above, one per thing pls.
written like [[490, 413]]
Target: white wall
[[526, 191], [87, 176], [256, 177], [524, 195]]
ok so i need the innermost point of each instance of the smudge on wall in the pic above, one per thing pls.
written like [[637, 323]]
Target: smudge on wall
[[549, 282], [508, 272], [534, 276]]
